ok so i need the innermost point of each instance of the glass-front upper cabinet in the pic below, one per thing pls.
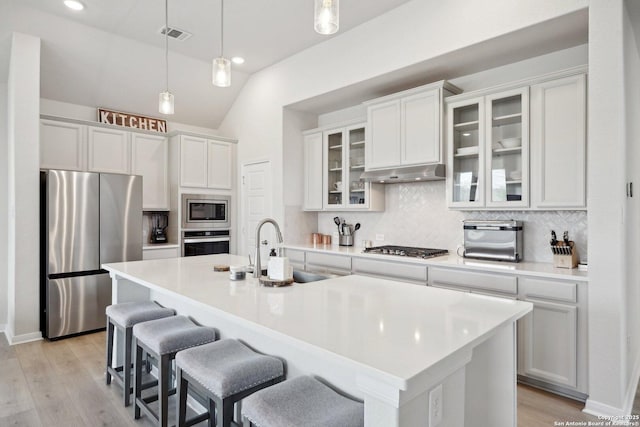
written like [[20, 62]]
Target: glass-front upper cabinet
[[344, 153], [333, 167], [466, 152], [356, 189], [507, 148], [488, 140]]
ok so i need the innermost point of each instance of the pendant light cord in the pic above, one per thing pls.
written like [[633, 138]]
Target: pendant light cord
[[166, 40], [221, 28]]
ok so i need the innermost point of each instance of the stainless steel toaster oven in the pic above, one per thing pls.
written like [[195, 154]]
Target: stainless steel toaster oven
[[493, 240]]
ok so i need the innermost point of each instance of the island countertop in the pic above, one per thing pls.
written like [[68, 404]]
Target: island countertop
[[392, 330]]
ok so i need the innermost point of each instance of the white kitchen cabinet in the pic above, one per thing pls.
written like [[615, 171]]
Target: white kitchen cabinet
[[313, 171], [488, 141], [384, 135], [193, 161], [420, 128], [499, 284], [108, 150], [411, 273], [326, 263], [558, 143], [219, 162], [465, 180], [553, 337], [63, 145], [405, 128], [343, 163], [205, 163], [150, 158], [550, 342], [160, 252], [334, 160], [296, 258]]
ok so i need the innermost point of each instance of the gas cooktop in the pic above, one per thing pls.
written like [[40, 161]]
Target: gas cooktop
[[406, 251]]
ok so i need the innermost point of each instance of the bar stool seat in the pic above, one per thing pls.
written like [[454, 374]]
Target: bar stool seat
[[124, 316], [301, 401], [229, 371], [162, 339]]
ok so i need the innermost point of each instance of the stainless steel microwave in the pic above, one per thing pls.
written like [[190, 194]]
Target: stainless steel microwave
[[205, 211]]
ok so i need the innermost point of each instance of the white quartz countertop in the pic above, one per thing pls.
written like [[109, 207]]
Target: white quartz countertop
[[539, 269], [393, 329]]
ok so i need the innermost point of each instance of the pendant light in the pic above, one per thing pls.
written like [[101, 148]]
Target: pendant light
[[326, 17], [165, 100], [221, 73]]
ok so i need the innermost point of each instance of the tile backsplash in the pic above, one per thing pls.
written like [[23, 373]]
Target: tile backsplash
[[416, 214]]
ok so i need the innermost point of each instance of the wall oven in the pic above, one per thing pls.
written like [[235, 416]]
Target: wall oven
[[205, 211], [205, 242]]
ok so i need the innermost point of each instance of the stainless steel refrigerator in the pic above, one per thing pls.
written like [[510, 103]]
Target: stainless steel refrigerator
[[86, 219]]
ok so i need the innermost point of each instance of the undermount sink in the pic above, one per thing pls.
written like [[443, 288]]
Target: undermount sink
[[300, 276]]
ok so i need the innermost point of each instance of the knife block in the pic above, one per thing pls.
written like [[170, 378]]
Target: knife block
[[566, 261]]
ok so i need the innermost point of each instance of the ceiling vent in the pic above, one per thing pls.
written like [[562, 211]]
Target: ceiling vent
[[176, 33]]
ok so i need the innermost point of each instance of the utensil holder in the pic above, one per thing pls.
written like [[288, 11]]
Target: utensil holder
[[346, 240], [565, 261]]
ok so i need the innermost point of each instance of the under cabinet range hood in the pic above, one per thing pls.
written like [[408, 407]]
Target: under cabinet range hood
[[434, 172]]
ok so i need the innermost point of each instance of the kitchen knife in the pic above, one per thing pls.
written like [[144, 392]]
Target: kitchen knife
[[554, 240], [565, 237]]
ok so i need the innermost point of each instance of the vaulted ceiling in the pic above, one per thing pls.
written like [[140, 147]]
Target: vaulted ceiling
[[111, 54]]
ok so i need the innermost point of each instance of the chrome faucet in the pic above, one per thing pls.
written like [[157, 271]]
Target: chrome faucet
[[257, 269]]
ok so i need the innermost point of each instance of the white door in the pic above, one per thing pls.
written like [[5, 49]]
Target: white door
[[256, 205]]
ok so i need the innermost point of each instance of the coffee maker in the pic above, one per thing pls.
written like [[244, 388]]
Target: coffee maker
[[159, 222]]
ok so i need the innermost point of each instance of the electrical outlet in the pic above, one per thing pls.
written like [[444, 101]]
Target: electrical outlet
[[435, 406], [380, 237]]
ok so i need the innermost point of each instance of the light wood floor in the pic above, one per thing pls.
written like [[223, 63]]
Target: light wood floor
[[61, 383]]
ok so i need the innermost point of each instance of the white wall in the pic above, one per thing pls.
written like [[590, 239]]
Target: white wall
[[632, 127], [23, 183], [4, 226], [608, 378]]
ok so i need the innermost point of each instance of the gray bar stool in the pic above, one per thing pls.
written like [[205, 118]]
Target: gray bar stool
[[226, 372], [162, 339], [302, 401], [124, 316]]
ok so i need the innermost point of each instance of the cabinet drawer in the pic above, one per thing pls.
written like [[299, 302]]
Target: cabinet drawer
[[160, 253], [474, 280], [548, 289], [294, 256], [339, 263], [416, 273]]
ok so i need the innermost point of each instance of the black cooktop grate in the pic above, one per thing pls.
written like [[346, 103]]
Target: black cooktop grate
[[407, 251]]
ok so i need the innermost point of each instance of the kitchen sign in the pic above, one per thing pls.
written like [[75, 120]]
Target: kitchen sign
[[131, 120]]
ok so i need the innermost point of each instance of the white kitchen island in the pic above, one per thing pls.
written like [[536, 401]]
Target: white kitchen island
[[384, 342]]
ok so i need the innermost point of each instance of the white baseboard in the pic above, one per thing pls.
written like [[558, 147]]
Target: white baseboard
[[602, 409], [3, 327], [24, 338]]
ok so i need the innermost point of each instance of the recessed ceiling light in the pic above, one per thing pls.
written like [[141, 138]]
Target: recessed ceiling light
[[74, 4], [237, 60]]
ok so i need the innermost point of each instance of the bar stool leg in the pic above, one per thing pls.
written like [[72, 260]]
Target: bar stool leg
[[212, 411], [164, 376], [109, 349], [181, 392], [137, 380], [126, 369], [224, 414]]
